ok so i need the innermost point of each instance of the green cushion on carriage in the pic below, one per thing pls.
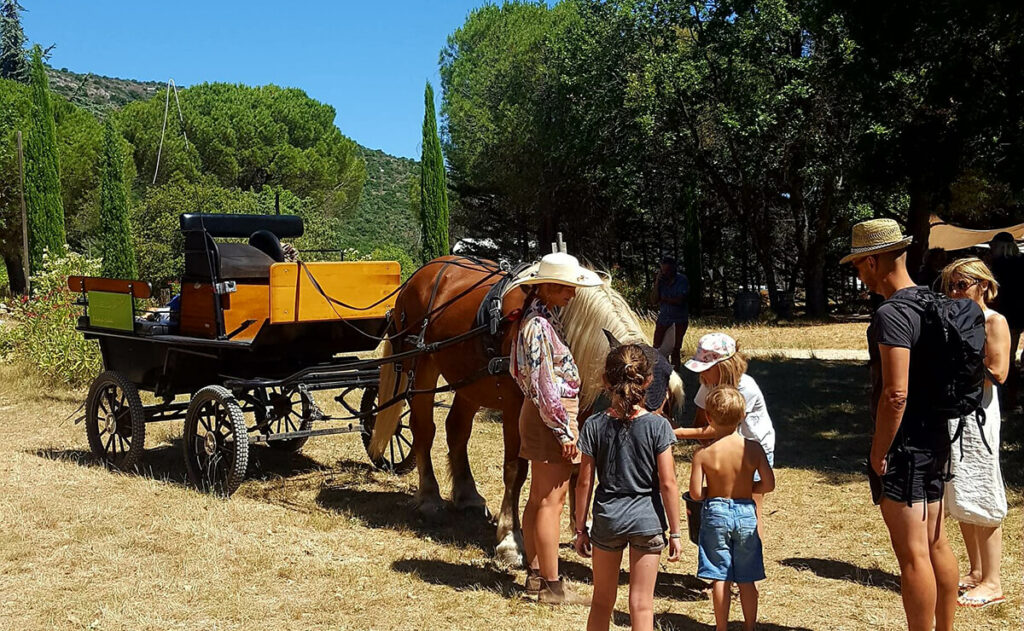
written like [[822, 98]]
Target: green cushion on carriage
[[109, 310]]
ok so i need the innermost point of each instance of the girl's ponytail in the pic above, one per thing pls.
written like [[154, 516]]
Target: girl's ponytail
[[628, 372]]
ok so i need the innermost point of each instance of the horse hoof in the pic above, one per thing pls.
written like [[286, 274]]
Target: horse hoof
[[431, 510], [508, 552], [476, 511]]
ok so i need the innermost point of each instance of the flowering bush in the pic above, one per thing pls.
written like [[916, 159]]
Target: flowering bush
[[42, 332]]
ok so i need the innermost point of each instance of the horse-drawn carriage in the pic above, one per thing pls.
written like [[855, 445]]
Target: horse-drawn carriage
[[252, 336], [250, 339]]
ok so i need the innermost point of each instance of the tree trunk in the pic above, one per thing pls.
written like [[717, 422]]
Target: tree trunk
[[15, 273], [815, 280], [922, 203]]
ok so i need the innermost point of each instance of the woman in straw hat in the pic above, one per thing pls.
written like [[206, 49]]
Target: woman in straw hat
[[543, 367]]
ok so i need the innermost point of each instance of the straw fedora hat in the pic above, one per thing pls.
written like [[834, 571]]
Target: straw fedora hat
[[558, 268], [875, 236]]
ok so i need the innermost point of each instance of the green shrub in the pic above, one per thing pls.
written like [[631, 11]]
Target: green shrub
[[42, 333]]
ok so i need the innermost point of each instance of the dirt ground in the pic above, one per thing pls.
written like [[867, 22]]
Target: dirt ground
[[320, 540]]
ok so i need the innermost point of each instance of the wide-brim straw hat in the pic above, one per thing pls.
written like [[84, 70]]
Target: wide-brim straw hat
[[875, 236], [558, 268]]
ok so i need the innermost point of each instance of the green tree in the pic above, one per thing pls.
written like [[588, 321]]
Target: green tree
[[13, 64], [434, 211], [115, 230], [45, 208]]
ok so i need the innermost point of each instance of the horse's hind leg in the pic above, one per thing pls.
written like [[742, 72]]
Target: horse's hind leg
[[458, 427], [511, 549], [428, 496]]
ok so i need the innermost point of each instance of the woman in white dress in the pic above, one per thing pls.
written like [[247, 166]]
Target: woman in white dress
[[975, 496]]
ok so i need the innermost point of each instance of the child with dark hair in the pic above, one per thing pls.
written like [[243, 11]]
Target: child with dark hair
[[630, 449]]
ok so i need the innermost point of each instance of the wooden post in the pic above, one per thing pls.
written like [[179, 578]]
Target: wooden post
[[24, 216]]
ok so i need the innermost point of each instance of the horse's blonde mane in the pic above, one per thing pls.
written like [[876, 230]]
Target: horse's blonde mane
[[594, 309]]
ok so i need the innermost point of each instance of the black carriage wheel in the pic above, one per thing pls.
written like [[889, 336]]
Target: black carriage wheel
[[216, 441], [398, 457], [288, 412], [115, 421]]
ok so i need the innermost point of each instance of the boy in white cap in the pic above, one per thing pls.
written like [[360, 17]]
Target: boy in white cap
[[719, 363]]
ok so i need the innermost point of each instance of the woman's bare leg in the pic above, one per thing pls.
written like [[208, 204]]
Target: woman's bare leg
[[542, 519], [990, 549], [970, 535]]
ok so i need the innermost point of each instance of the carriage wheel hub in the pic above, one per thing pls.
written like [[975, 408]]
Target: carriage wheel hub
[[210, 444], [110, 424]]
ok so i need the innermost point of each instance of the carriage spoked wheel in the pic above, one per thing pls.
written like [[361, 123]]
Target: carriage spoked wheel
[[398, 457], [216, 441], [115, 421], [283, 411]]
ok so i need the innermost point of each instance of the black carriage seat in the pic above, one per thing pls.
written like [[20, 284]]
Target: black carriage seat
[[205, 258]]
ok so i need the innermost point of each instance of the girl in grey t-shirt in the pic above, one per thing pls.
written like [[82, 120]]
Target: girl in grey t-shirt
[[630, 451]]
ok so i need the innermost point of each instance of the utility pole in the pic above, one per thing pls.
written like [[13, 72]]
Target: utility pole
[[24, 215]]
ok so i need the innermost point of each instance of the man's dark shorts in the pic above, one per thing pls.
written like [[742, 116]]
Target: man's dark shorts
[[912, 475]]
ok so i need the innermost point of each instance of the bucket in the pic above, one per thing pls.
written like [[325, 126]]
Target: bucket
[[693, 509]]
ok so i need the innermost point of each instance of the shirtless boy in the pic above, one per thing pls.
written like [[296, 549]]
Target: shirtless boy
[[722, 474]]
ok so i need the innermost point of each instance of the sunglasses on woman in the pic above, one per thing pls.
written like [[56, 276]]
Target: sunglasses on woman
[[963, 285]]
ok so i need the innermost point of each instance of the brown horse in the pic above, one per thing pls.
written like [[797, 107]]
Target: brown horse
[[450, 289]]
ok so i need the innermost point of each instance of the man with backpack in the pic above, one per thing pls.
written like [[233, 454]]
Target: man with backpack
[[925, 360]]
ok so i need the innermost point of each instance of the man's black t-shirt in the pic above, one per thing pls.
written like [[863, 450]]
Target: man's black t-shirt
[[899, 325]]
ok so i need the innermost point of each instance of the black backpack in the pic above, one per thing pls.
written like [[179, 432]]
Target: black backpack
[[949, 360]]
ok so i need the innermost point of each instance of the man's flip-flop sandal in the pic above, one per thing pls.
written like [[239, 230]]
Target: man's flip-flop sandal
[[978, 602]]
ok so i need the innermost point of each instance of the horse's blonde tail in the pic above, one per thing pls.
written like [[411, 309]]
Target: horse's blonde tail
[[387, 419], [677, 395]]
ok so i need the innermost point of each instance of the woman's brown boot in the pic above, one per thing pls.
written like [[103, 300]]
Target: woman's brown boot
[[533, 583], [558, 593]]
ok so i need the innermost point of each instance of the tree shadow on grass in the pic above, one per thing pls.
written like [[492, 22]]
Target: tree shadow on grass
[[395, 510], [167, 463], [460, 577], [682, 622], [843, 571]]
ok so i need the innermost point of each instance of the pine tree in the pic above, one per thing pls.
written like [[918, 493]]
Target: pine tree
[[42, 171], [13, 64], [433, 190], [115, 231]]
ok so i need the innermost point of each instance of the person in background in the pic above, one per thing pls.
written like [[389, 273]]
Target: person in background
[[722, 475], [930, 273], [976, 496], [909, 455], [630, 450], [670, 294], [1008, 269]]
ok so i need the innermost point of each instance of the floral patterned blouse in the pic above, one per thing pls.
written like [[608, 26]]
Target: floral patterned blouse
[[543, 367]]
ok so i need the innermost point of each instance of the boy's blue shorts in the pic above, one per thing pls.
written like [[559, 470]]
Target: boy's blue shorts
[[729, 547]]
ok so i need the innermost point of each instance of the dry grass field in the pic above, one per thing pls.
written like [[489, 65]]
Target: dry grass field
[[322, 541], [849, 335]]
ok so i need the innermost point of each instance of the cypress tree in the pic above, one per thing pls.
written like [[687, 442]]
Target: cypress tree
[[42, 171], [433, 190], [118, 253], [12, 42]]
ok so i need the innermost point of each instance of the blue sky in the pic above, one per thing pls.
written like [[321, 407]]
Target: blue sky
[[368, 60]]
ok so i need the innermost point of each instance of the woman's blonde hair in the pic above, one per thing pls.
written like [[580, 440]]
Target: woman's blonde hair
[[732, 369], [627, 371], [973, 268], [726, 407]]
